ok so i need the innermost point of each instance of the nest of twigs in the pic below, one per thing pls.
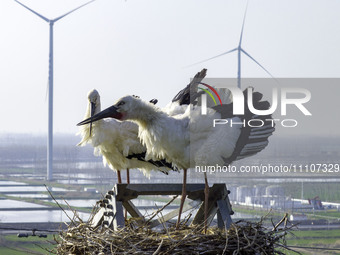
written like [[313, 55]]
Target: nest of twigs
[[243, 237]]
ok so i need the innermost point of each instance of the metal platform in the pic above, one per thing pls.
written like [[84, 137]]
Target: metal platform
[[111, 216]]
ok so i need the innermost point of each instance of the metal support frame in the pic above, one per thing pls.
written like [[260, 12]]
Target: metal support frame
[[111, 216]]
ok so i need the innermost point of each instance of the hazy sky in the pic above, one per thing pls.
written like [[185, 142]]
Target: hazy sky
[[141, 47]]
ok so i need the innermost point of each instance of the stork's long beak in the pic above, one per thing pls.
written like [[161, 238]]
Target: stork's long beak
[[110, 112], [93, 108]]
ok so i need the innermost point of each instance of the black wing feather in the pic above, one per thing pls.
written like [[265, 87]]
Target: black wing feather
[[252, 139], [189, 93], [158, 163]]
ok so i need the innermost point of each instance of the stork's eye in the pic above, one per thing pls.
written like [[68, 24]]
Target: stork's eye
[[121, 103]]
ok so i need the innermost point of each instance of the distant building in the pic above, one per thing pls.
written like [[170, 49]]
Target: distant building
[[297, 217], [91, 190], [316, 203]]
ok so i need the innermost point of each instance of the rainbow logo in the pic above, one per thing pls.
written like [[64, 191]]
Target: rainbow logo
[[209, 93]]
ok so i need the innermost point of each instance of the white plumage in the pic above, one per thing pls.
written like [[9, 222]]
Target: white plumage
[[174, 137], [116, 141]]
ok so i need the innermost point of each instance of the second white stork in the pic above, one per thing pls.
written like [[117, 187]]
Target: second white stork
[[189, 139]]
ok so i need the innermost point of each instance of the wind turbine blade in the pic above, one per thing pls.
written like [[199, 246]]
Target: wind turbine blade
[[62, 16], [244, 19], [39, 15], [257, 63], [224, 53]]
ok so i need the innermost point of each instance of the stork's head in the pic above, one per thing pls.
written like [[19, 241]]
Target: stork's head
[[127, 107], [94, 101], [94, 104], [93, 96]]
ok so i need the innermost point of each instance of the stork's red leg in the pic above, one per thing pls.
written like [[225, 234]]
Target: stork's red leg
[[184, 194], [128, 182], [128, 176], [119, 177], [206, 201]]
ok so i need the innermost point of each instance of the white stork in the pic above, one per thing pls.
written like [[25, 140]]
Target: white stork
[[117, 142], [188, 139]]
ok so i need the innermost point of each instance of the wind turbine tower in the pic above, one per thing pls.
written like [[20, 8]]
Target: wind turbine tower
[[239, 50], [50, 86]]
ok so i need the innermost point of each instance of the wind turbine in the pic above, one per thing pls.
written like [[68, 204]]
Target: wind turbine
[[239, 49], [50, 87]]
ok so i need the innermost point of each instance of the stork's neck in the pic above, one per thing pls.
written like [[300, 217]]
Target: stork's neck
[[85, 129], [146, 115], [96, 110], [161, 133]]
